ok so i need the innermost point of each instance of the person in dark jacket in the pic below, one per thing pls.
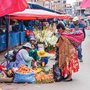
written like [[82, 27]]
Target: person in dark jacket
[[77, 25]]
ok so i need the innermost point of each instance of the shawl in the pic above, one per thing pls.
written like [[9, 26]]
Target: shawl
[[64, 51]]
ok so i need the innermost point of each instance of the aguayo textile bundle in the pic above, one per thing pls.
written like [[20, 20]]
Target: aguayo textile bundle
[[76, 37]]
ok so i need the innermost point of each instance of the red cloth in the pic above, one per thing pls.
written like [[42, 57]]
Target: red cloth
[[1, 67], [75, 37], [29, 33], [85, 4], [10, 6]]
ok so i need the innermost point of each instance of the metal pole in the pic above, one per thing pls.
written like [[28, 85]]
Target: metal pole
[[7, 35], [7, 32]]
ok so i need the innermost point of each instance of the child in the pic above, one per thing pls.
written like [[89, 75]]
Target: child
[[43, 57], [33, 53]]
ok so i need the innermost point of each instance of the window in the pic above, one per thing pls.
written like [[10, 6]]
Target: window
[[64, 1]]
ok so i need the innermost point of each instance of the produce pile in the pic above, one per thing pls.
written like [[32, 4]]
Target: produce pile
[[37, 70], [37, 75], [41, 74], [44, 76], [24, 69]]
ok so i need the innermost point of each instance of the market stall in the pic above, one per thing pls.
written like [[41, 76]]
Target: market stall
[[65, 16], [30, 14], [7, 7], [23, 73], [38, 74]]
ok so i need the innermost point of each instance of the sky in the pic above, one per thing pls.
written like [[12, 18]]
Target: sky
[[70, 1]]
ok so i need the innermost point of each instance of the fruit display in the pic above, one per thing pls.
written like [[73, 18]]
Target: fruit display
[[24, 69], [40, 75], [44, 77], [37, 70]]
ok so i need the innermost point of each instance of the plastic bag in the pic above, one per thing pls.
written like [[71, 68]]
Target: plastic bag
[[57, 75], [22, 78]]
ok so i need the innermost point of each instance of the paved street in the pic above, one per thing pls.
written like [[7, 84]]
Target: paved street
[[81, 80]]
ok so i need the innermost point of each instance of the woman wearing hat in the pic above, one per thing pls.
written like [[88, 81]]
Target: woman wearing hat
[[22, 57], [43, 57], [78, 25]]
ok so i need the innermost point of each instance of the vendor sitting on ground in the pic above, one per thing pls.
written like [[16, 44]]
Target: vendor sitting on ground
[[43, 57], [22, 57]]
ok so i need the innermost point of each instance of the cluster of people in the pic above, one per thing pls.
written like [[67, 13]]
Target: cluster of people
[[28, 55], [69, 48]]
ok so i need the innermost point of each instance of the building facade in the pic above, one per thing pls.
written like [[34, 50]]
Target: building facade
[[77, 9], [69, 9]]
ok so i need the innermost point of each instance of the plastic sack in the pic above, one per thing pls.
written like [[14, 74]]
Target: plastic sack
[[22, 78]]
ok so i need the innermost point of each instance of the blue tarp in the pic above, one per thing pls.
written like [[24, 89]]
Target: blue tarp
[[36, 6], [2, 42]]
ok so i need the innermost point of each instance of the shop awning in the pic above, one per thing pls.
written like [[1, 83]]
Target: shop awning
[[65, 16], [10, 6], [85, 4], [30, 14]]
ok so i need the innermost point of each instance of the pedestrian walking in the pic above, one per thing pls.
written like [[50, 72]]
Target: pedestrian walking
[[77, 25]]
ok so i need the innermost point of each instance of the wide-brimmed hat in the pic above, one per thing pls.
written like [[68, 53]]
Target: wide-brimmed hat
[[75, 18], [28, 45], [42, 53]]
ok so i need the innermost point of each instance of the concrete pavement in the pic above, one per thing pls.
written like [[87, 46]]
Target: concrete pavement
[[81, 79]]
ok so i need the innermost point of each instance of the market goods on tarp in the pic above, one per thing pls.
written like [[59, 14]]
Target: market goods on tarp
[[23, 78], [2, 74], [24, 69], [9, 73], [24, 74], [4, 78], [44, 77], [37, 70]]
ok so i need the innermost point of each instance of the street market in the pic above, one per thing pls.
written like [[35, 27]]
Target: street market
[[30, 39]]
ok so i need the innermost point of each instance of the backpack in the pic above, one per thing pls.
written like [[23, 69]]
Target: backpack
[[11, 55]]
